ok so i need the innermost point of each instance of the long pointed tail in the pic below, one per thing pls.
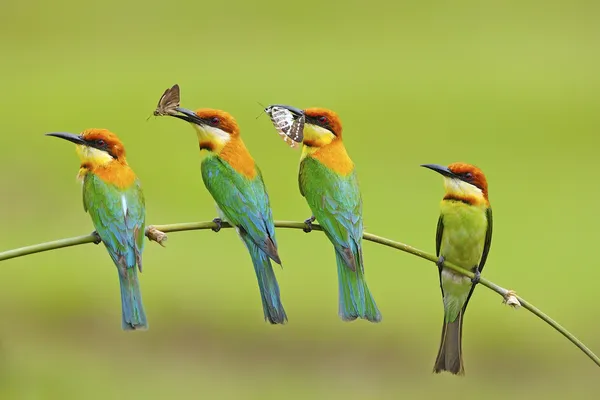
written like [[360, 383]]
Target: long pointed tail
[[132, 309], [356, 300], [449, 356], [267, 283]]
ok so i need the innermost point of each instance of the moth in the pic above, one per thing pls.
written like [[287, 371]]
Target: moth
[[289, 127], [168, 103]]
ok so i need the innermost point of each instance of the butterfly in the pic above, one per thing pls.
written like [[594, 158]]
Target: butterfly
[[289, 126], [168, 103]]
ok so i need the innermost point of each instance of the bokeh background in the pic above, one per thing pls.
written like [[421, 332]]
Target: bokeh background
[[511, 87]]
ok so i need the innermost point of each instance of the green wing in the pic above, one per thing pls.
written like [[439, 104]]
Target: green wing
[[486, 249], [244, 202], [336, 203], [438, 235], [488, 239], [119, 218], [438, 244]]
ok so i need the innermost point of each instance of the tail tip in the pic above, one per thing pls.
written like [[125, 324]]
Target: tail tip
[[376, 318], [347, 317], [134, 327], [277, 321], [276, 316], [348, 314], [457, 372]]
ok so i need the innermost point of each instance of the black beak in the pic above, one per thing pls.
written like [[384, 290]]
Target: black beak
[[440, 169], [68, 136], [189, 116], [296, 111]]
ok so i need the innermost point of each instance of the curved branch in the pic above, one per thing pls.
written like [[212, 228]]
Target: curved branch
[[157, 233]]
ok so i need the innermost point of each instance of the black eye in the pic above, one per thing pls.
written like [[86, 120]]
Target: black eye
[[468, 175], [100, 143], [322, 119], [214, 121]]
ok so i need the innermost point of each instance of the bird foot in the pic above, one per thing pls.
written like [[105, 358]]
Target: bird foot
[[440, 262], [308, 224], [218, 222], [97, 239], [475, 279]]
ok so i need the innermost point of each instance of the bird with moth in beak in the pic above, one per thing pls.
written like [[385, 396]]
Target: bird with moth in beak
[[236, 184], [328, 181], [112, 195], [464, 237]]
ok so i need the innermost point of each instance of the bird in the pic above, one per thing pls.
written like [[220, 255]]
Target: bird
[[464, 238], [113, 197], [328, 181], [236, 184]]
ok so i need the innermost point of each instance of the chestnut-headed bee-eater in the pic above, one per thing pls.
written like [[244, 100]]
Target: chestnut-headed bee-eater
[[236, 184], [112, 195], [328, 181], [464, 237]]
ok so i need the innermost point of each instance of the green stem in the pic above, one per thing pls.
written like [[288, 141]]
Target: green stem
[[38, 248], [189, 226]]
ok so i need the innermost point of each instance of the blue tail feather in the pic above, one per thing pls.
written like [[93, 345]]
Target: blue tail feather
[[267, 283], [356, 300], [132, 309]]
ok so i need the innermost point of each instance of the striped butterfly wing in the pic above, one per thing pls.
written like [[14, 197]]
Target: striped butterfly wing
[[289, 128]]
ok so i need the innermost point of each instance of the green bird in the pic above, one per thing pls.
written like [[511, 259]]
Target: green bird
[[328, 181], [112, 195], [464, 237], [236, 184]]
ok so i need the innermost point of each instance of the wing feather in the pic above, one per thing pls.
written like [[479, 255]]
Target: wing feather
[[336, 203], [245, 202], [438, 235], [488, 238], [118, 217]]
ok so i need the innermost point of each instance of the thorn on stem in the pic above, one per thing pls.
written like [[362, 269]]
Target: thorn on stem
[[156, 236]]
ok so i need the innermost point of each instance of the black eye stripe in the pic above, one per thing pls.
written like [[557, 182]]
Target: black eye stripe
[[101, 144], [322, 123]]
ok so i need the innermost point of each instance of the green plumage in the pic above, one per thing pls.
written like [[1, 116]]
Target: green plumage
[[118, 216], [463, 238], [244, 203], [336, 203]]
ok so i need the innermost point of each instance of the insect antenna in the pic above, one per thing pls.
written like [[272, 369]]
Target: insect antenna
[[263, 109]]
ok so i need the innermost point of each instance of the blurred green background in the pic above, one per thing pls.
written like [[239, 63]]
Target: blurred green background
[[511, 87]]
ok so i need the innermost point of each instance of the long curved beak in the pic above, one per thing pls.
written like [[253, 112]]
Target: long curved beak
[[440, 169], [295, 111], [77, 139], [189, 116]]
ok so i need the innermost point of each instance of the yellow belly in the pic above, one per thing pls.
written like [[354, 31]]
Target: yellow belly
[[465, 227]]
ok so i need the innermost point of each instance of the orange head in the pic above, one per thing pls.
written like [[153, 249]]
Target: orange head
[[95, 146], [322, 127], [325, 119], [215, 128], [462, 180]]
